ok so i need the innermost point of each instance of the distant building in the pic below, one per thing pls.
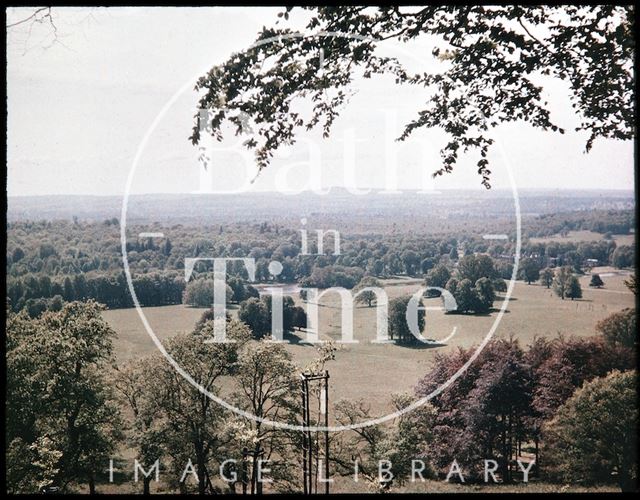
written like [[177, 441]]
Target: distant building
[[506, 257], [591, 263]]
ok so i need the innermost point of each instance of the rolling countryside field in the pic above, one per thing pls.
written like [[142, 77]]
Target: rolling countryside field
[[60, 269], [362, 370], [579, 236]]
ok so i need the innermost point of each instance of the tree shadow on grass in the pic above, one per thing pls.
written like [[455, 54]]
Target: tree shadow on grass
[[514, 299], [477, 314], [297, 337], [416, 344]]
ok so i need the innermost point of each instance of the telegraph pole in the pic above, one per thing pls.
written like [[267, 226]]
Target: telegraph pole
[[311, 449]]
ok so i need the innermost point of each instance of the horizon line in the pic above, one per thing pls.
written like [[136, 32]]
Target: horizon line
[[330, 188]]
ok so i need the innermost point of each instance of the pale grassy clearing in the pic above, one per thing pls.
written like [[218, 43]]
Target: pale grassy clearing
[[578, 236]]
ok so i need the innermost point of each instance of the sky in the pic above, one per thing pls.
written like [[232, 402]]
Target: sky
[[80, 108]]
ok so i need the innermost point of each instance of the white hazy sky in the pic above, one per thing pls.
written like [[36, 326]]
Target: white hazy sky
[[79, 109]]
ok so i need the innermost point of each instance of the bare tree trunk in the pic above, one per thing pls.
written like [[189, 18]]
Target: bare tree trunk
[[202, 474], [146, 485], [253, 474], [92, 484]]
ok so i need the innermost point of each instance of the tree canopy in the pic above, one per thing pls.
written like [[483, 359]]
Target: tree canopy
[[492, 60], [619, 328], [594, 433], [62, 423]]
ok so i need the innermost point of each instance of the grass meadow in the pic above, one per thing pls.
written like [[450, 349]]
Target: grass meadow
[[583, 235], [375, 371]]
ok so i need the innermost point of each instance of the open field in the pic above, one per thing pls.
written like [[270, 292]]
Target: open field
[[133, 340], [578, 236], [374, 371]]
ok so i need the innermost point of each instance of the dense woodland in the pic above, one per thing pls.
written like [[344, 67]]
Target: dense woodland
[[606, 222], [49, 262]]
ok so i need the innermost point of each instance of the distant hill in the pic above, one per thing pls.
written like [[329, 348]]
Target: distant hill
[[198, 208]]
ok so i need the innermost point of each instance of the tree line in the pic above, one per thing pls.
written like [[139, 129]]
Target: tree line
[[599, 221], [52, 262]]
